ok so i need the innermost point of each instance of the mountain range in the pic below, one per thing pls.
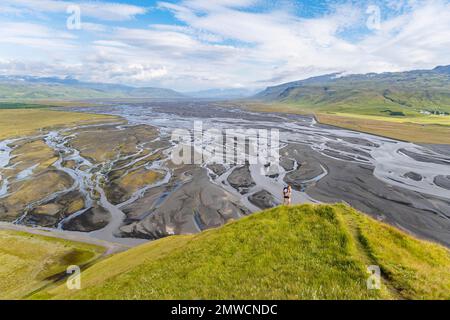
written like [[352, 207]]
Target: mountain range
[[35, 88], [223, 94], [394, 93], [418, 91], [41, 88]]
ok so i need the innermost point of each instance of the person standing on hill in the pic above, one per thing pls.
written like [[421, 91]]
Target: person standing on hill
[[287, 195]]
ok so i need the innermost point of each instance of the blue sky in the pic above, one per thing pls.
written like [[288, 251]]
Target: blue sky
[[202, 44]]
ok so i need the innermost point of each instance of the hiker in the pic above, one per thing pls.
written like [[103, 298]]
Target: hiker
[[287, 195]]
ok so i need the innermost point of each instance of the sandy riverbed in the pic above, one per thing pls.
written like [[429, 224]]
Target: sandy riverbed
[[398, 182]]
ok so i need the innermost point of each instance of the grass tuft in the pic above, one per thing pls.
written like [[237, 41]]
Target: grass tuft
[[301, 252]]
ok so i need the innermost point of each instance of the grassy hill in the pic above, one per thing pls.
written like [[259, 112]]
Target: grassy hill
[[29, 262], [387, 104], [388, 94], [34, 89], [302, 252]]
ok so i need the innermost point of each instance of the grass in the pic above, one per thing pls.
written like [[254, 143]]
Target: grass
[[417, 269], [14, 105], [51, 103], [35, 189], [31, 153], [417, 119], [29, 262], [139, 179], [406, 94], [41, 91], [23, 122], [103, 144], [122, 188], [45, 103], [302, 252], [425, 131], [426, 128]]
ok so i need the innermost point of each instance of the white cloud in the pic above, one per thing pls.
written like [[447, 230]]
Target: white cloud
[[35, 36], [137, 72], [109, 11], [420, 38], [93, 27], [223, 43]]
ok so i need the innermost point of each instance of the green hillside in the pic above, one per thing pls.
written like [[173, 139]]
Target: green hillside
[[27, 91], [388, 94], [29, 262], [302, 252], [34, 89]]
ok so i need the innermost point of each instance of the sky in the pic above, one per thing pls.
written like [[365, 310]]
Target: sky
[[191, 45]]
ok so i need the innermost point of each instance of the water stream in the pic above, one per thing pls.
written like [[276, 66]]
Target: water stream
[[391, 164]]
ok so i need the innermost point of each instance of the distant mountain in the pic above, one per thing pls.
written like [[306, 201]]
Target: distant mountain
[[397, 93], [222, 94], [277, 92], [26, 87], [442, 69]]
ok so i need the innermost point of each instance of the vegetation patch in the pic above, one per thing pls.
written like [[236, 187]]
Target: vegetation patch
[[398, 124], [28, 261], [301, 252], [121, 189], [109, 143], [32, 190], [24, 122], [417, 269], [423, 133], [394, 113], [12, 105]]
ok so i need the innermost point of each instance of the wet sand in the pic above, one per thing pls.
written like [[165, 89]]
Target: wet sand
[[373, 174], [401, 183]]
